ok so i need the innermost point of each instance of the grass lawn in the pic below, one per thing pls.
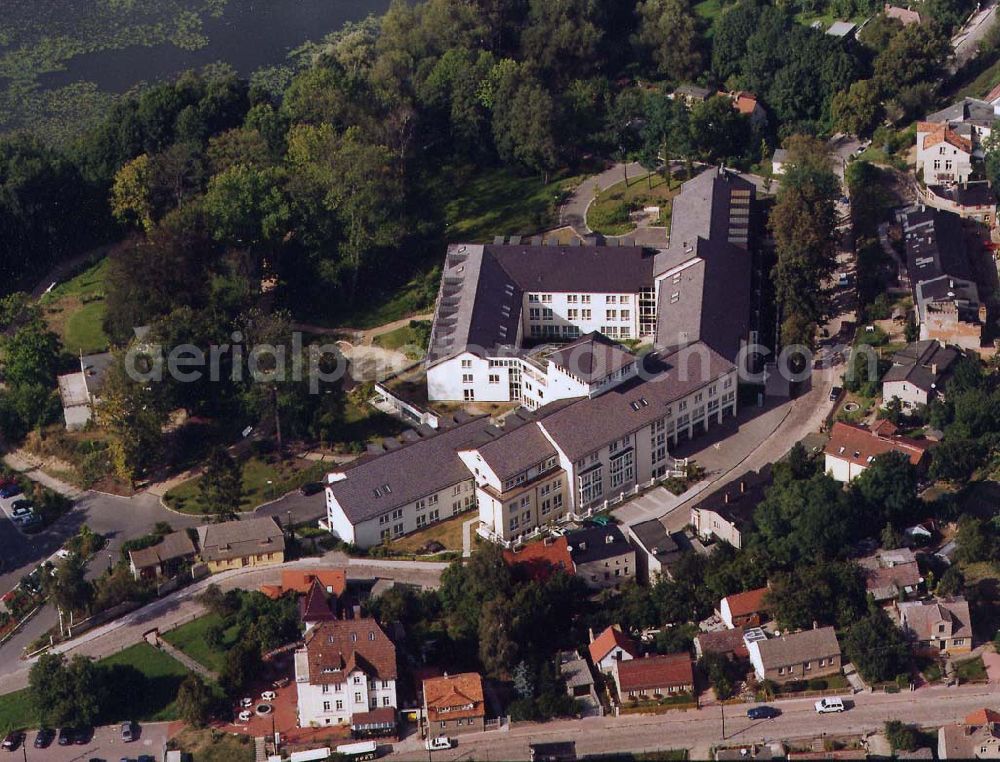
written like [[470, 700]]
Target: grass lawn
[[75, 310], [483, 204], [190, 638], [284, 476], [416, 335], [153, 699], [709, 11], [16, 712], [212, 746], [972, 670], [447, 532], [609, 214]]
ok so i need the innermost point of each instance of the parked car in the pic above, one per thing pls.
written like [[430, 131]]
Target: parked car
[[44, 738], [66, 737], [438, 743], [835, 393], [311, 488], [32, 524], [268, 696], [762, 712], [146, 758], [128, 732], [828, 705], [12, 740], [9, 490], [20, 510], [82, 736]]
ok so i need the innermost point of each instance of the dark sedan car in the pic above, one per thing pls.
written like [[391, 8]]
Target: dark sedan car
[[66, 737], [12, 740], [9, 490], [311, 488], [44, 738], [762, 712]]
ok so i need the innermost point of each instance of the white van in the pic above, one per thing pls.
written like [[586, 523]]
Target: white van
[[833, 704]]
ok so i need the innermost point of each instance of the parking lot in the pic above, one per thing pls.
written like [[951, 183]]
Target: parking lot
[[7, 506], [105, 744]]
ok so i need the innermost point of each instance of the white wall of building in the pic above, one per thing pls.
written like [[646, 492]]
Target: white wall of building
[[336, 704], [563, 315], [842, 470]]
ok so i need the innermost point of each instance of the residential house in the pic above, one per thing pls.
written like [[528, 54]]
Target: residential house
[[317, 606], [165, 559], [412, 485], [746, 609], [656, 550], [576, 673], [796, 656], [940, 626], [691, 94], [725, 513], [891, 574], [345, 670], [538, 560], [918, 373], [728, 643], [79, 391], [852, 448], [945, 292], [977, 737], [610, 647], [943, 155], [497, 298], [300, 582], [973, 200], [573, 456], [603, 558], [904, 15], [748, 105], [653, 676], [778, 161], [235, 544], [842, 30], [454, 704]]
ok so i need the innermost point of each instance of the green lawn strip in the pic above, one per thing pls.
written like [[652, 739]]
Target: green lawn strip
[[147, 699], [16, 712], [284, 477], [609, 213], [84, 331], [88, 283], [971, 670], [190, 638], [75, 310]]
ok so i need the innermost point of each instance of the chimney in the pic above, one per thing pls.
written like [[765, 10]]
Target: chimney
[[725, 498], [743, 486], [356, 608], [933, 368], [815, 625], [590, 634]]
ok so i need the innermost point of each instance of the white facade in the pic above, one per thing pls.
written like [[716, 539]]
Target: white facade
[[616, 654], [908, 393], [569, 316], [753, 647], [397, 522], [942, 162], [337, 703], [843, 470]]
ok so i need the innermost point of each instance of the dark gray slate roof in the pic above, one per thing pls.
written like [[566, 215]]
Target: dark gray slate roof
[[411, 471], [709, 300], [591, 423], [95, 368], [596, 543], [966, 110], [935, 245], [916, 364], [656, 541], [517, 450], [737, 500], [591, 357]]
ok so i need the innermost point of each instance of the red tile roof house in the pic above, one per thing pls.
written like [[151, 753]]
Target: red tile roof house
[[454, 704], [852, 448], [746, 609], [653, 676], [538, 560], [728, 643], [610, 647]]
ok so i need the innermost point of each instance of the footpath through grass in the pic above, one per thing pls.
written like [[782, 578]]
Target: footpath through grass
[[610, 212], [192, 639], [75, 310]]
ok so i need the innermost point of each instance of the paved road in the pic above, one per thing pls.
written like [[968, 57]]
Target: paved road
[[105, 743], [183, 606], [966, 43], [700, 729], [573, 212]]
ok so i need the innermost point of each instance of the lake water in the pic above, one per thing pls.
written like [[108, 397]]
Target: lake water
[[249, 34]]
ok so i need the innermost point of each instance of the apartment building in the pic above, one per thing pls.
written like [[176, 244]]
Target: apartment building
[[345, 671], [726, 512], [414, 483], [498, 300], [573, 455]]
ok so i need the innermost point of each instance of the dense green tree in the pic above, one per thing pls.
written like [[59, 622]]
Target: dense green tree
[[974, 541], [914, 55], [669, 29], [876, 646], [194, 701], [718, 131], [824, 593], [887, 491], [69, 588], [524, 120], [465, 589], [242, 666], [221, 484], [562, 36], [733, 28], [955, 460], [66, 693], [246, 206], [859, 109], [31, 356]]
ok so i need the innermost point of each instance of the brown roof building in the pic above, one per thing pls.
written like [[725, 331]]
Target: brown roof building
[[664, 675], [611, 646], [539, 560], [746, 609], [234, 544], [797, 656], [454, 704], [852, 449], [942, 626], [300, 581], [163, 559]]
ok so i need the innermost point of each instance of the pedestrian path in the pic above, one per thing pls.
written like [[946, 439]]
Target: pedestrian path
[[195, 666], [259, 749]]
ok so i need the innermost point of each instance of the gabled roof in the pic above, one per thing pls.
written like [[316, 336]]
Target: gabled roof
[[723, 642], [597, 543], [860, 445], [453, 697], [749, 602], [798, 647], [171, 546], [382, 483], [921, 363], [920, 617], [315, 606], [336, 648], [655, 672], [240, 539], [973, 110], [944, 134], [982, 717], [736, 501], [935, 245], [607, 641], [301, 581], [903, 15], [518, 449], [744, 102]]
